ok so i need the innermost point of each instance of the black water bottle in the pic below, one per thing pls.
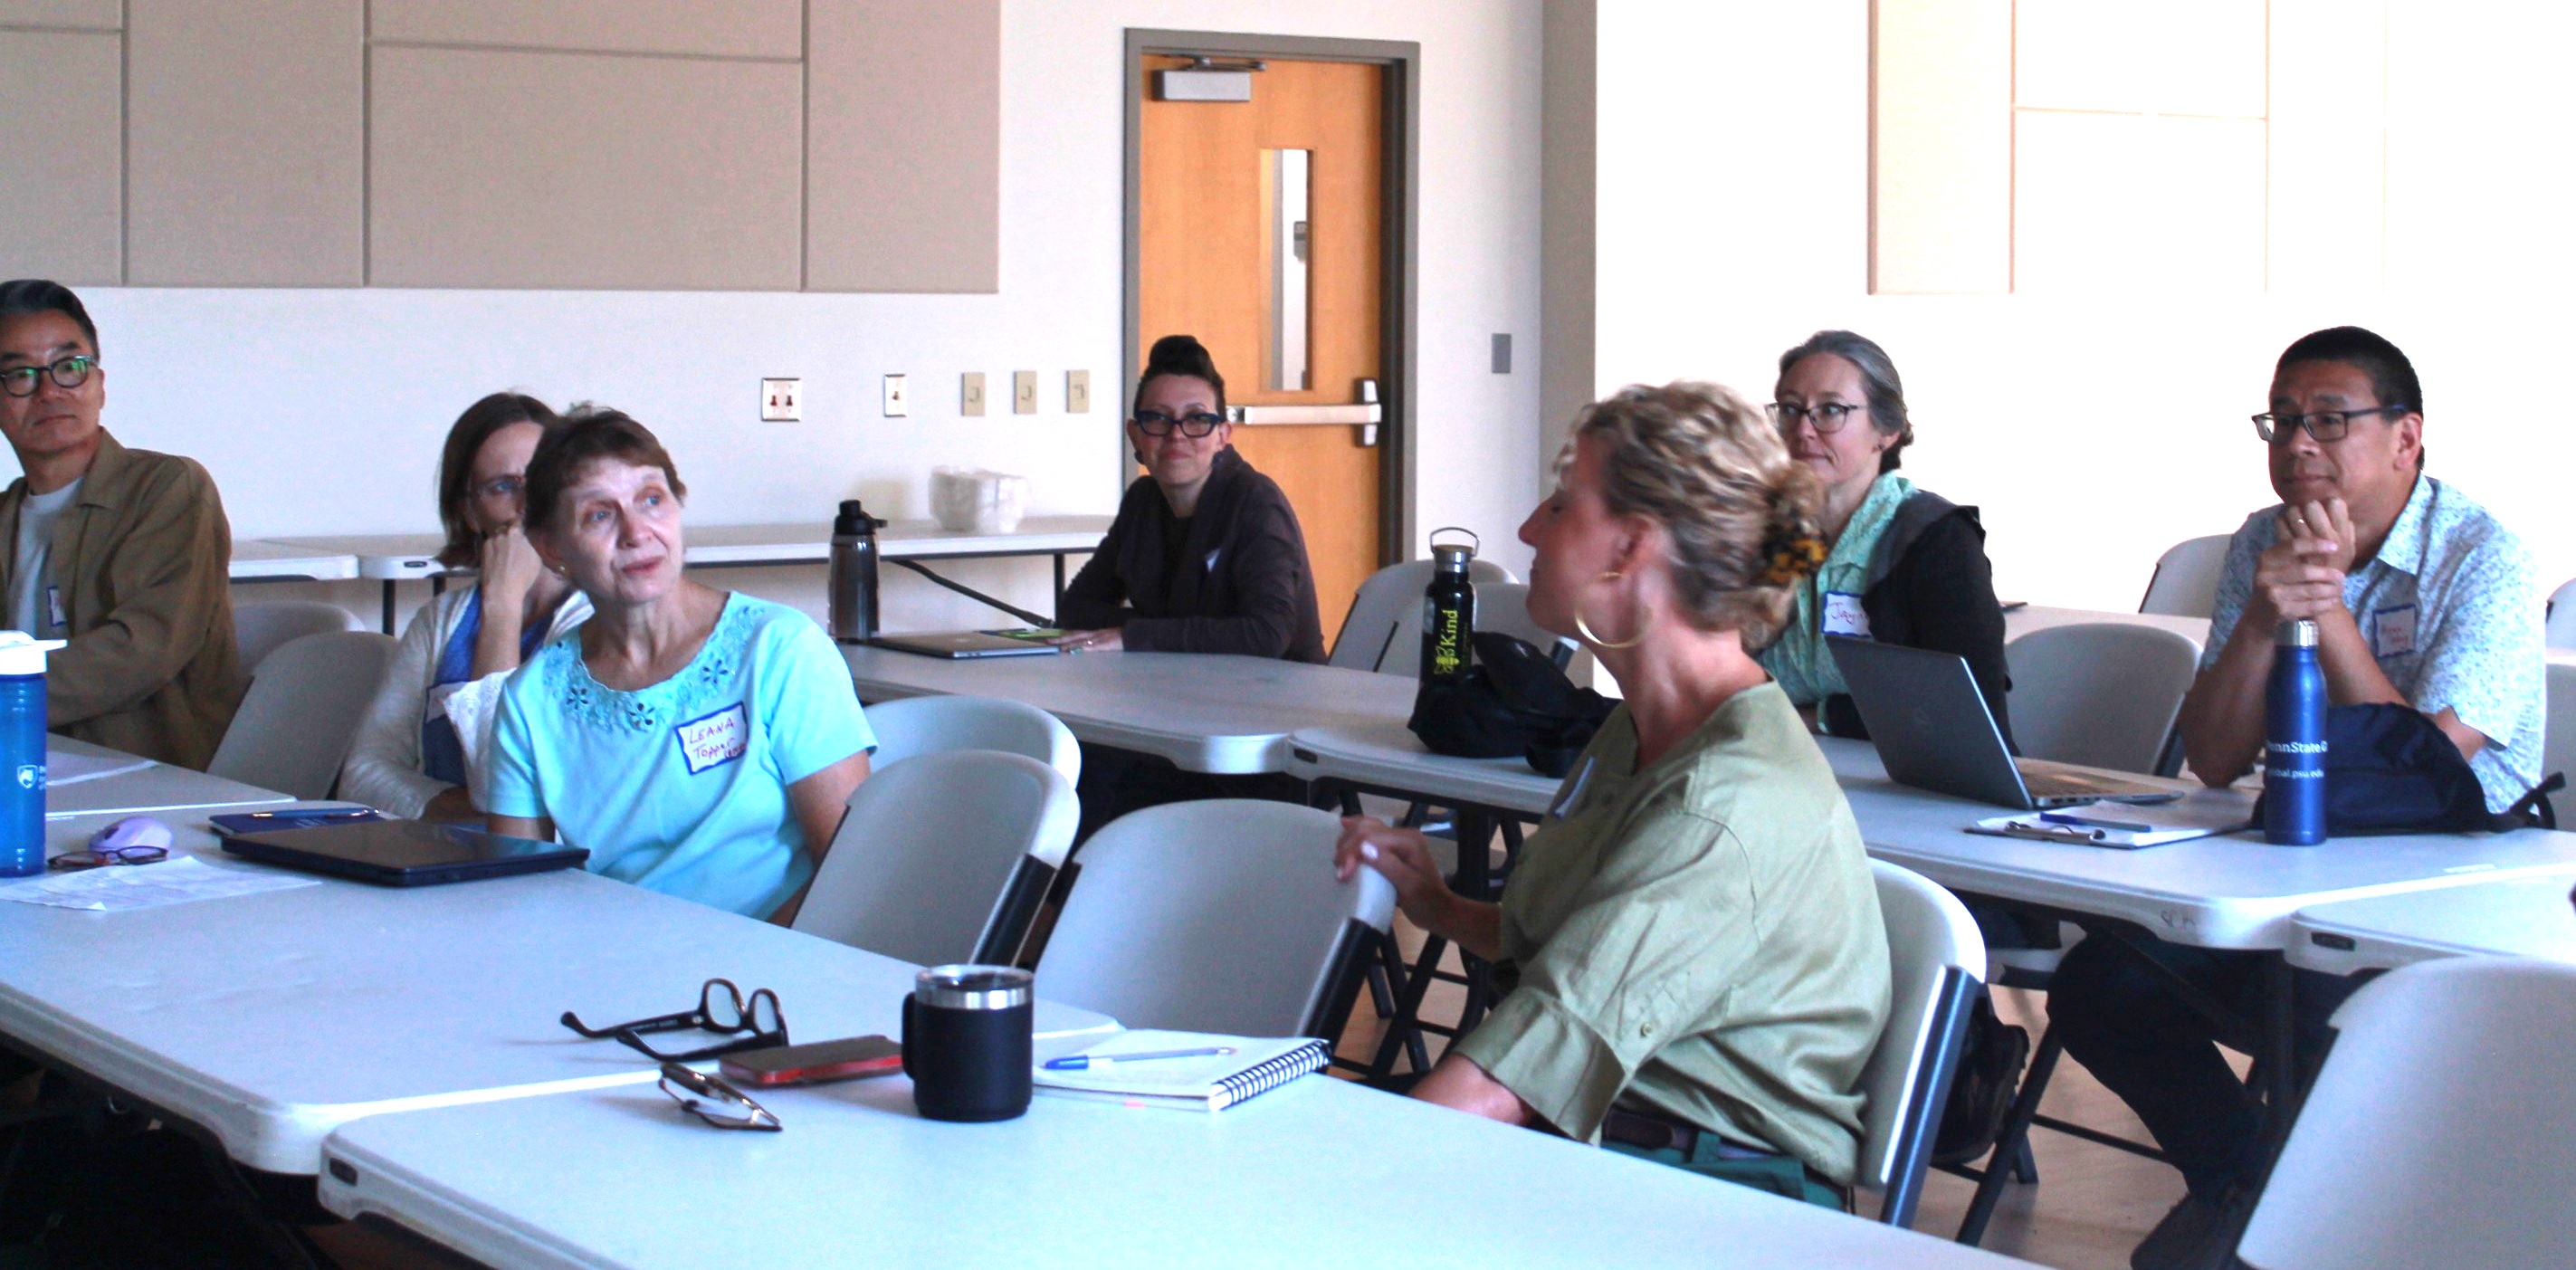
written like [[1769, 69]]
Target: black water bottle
[[853, 600], [1448, 611]]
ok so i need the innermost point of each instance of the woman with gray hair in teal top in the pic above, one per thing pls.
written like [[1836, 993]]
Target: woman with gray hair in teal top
[[1905, 565]]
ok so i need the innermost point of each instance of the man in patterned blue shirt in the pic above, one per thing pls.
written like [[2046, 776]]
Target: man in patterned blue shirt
[[2421, 599]]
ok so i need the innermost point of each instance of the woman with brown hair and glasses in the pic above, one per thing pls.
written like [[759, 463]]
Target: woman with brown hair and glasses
[[420, 752], [1207, 556]]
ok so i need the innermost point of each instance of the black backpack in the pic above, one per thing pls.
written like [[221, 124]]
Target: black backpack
[[2391, 769], [1513, 702]]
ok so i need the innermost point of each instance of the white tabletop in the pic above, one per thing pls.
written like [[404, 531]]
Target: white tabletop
[[1385, 754], [271, 1019], [2234, 891], [2518, 917], [1206, 712], [1318, 1173], [159, 787], [255, 558], [385, 556], [2039, 617]]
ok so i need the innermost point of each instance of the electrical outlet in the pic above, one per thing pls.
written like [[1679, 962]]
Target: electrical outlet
[[971, 393], [1024, 392], [1077, 392], [782, 400], [898, 399]]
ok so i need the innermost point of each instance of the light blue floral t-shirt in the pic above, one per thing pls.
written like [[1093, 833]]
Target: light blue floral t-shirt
[[682, 787], [2451, 607]]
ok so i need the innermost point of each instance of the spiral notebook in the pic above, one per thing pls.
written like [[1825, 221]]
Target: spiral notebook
[[1209, 1082]]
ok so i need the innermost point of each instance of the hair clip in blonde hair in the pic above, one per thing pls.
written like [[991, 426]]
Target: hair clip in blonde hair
[[1789, 556]]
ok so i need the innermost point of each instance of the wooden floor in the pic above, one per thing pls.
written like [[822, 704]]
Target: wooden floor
[[2092, 1203]]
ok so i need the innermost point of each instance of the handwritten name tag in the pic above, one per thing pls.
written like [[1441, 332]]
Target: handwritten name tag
[[2392, 631], [1843, 615], [716, 739]]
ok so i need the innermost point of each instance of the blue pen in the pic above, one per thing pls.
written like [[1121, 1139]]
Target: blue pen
[[1079, 1062], [2088, 822]]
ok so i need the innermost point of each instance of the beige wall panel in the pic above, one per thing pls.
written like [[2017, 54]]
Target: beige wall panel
[[903, 183], [2328, 146], [2183, 57], [733, 28], [505, 169], [108, 14], [235, 183], [58, 116], [2116, 204], [1941, 147]]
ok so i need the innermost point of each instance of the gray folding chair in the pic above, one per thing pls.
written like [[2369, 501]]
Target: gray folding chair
[[922, 725], [944, 858], [2102, 694], [2185, 583], [261, 627], [2558, 747], [296, 723], [1220, 915], [1937, 966], [2562, 616]]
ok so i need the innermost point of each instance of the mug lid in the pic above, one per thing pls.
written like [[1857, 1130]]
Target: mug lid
[[973, 987]]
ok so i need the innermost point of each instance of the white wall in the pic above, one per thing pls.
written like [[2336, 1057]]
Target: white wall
[[2093, 430], [322, 411]]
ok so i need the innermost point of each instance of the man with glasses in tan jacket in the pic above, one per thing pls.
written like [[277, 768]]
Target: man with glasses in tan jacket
[[124, 553]]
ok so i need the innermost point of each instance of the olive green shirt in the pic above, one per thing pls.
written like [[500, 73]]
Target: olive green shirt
[[1700, 940]]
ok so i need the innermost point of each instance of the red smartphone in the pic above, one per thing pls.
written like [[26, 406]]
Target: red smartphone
[[815, 1064]]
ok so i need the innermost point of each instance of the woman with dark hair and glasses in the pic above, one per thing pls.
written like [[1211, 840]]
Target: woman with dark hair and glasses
[[420, 753], [1903, 565], [1206, 557]]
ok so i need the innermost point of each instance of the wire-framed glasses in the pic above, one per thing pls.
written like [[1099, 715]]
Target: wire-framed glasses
[[2324, 425], [101, 857], [1827, 415], [67, 372], [715, 1100], [755, 1021], [1197, 423]]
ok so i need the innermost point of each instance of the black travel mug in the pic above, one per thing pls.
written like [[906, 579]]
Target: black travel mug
[[966, 1042]]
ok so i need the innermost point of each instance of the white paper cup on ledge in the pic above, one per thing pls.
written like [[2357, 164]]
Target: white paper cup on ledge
[[973, 500]]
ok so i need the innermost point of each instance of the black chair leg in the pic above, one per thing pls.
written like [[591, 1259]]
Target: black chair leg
[[2013, 1145], [2025, 1165]]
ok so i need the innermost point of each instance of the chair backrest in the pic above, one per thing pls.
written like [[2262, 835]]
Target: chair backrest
[[1504, 607], [2562, 616], [262, 627], [1383, 631], [2185, 583], [1936, 967], [944, 858], [302, 711], [2103, 694], [922, 725], [1220, 915], [2558, 743], [2437, 1132]]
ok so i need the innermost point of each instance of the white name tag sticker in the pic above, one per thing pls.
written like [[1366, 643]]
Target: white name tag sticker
[[54, 607], [2392, 631], [1843, 615], [716, 739]]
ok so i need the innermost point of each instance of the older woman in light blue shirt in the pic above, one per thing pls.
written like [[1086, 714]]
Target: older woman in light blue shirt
[[699, 743]]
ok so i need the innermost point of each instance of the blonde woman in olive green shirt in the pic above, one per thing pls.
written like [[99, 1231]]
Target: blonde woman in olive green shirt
[[1693, 936]]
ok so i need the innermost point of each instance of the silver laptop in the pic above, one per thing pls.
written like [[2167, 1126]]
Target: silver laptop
[[1933, 731], [967, 644]]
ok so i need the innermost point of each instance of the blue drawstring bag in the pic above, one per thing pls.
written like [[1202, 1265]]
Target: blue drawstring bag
[[2391, 769]]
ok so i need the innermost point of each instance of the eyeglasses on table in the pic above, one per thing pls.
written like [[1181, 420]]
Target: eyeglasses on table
[[722, 1008], [102, 857], [715, 1100]]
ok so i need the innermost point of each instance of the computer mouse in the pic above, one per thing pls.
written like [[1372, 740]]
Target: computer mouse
[[133, 831]]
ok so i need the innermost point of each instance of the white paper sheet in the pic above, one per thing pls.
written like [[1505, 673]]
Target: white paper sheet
[[121, 887], [66, 768]]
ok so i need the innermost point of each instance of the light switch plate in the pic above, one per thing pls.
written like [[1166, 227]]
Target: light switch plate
[[1077, 392], [782, 400], [1024, 392], [970, 398], [898, 399]]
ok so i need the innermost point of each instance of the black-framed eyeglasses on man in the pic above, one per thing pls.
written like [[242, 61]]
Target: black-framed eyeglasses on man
[[1197, 423], [1829, 416], [715, 1100], [756, 1021], [67, 372], [2323, 425]]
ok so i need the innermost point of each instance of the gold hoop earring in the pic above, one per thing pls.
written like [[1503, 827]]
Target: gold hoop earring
[[1584, 628]]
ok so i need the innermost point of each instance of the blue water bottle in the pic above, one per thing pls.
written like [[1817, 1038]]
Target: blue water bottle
[[2294, 740], [22, 753]]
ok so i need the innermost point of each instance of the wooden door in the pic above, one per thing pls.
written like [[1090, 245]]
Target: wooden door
[[1204, 257]]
